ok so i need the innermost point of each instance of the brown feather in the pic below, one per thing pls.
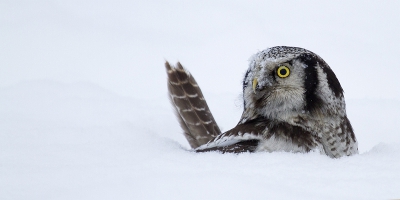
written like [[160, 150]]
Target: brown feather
[[191, 109], [240, 147]]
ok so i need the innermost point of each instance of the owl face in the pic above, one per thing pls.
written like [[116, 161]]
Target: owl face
[[286, 82]]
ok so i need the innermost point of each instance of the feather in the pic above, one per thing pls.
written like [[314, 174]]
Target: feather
[[191, 109]]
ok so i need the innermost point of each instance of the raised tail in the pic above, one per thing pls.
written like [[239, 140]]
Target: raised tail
[[194, 116]]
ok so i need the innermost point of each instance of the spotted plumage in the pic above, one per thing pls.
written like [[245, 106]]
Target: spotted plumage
[[292, 102]]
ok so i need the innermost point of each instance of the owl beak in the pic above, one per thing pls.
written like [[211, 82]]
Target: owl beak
[[255, 82]]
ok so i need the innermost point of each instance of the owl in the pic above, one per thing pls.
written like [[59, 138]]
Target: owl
[[292, 102]]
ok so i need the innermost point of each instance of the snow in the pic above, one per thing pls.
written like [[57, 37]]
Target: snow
[[84, 111], [79, 141]]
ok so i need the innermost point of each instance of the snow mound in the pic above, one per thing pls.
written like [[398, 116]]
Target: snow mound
[[80, 141]]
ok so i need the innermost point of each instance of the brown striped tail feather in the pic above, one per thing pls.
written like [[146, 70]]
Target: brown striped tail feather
[[194, 116]]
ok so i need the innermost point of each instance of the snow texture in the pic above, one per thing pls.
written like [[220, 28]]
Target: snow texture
[[84, 112], [79, 141]]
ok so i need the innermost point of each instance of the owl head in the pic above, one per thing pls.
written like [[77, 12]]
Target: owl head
[[290, 83]]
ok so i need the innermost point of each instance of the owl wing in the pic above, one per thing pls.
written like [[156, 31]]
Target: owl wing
[[340, 144], [243, 138], [191, 108], [239, 147]]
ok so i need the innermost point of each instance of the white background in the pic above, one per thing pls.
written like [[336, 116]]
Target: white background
[[84, 112]]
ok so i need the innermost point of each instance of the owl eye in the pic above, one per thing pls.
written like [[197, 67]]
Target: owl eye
[[283, 71]]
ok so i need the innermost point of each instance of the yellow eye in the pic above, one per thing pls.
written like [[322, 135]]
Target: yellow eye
[[283, 71]]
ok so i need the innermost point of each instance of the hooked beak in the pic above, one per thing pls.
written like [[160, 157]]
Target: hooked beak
[[255, 82]]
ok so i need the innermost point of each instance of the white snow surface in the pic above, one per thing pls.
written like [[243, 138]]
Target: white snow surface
[[79, 141], [84, 111]]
